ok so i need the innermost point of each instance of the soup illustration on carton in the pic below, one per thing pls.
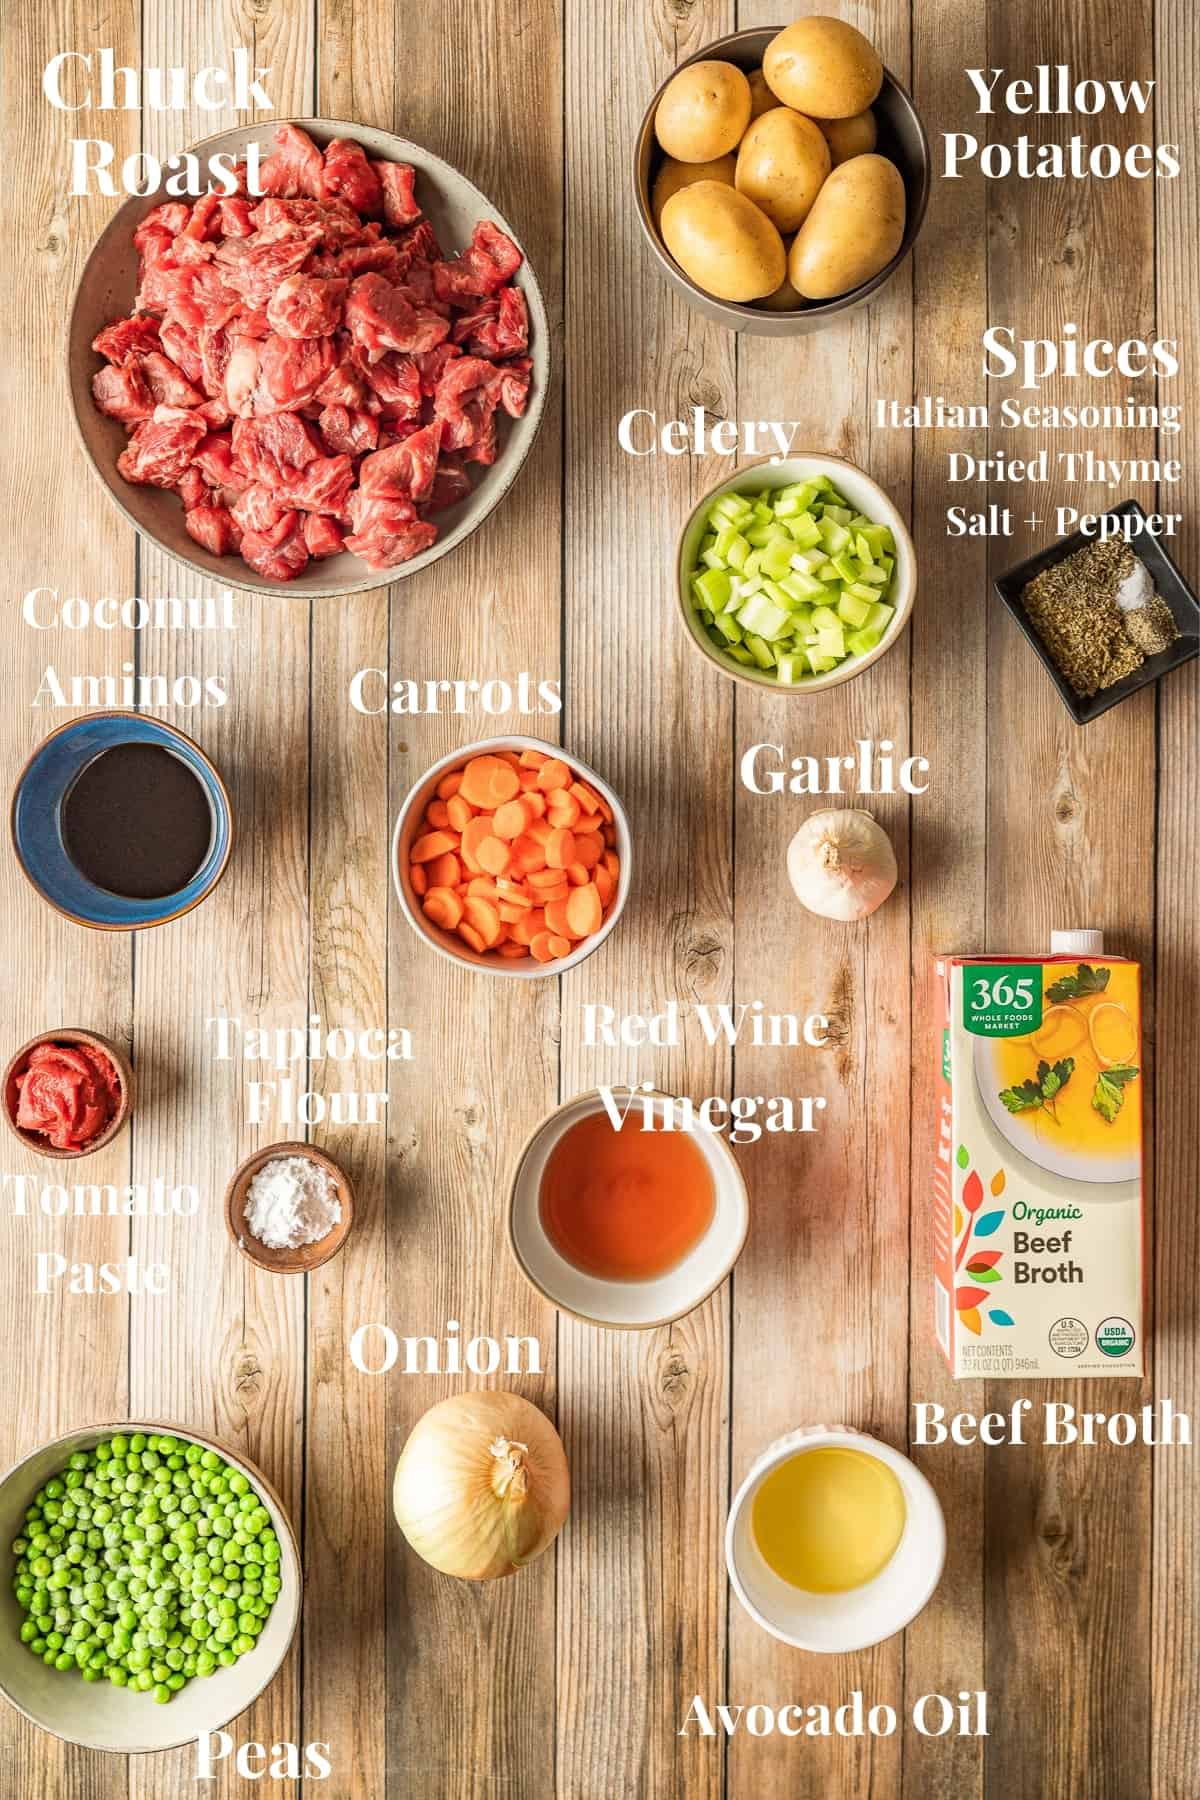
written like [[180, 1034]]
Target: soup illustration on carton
[[1038, 1170]]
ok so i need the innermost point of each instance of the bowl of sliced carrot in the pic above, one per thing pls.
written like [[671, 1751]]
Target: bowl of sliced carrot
[[512, 857]]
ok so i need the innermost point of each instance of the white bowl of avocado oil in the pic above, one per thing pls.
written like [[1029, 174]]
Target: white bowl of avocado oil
[[835, 1541]]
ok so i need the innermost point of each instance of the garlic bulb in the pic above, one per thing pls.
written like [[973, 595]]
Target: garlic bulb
[[841, 864]]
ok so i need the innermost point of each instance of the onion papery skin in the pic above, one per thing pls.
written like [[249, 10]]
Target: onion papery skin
[[482, 1486]]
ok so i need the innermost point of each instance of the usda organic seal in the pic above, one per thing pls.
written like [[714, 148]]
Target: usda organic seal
[[1114, 1337]]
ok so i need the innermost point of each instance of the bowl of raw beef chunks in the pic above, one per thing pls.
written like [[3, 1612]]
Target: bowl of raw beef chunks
[[320, 387]]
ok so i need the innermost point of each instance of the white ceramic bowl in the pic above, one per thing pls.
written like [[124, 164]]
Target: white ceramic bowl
[[97, 1715], [625, 1305], [106, 290], [862, 492], [865, 1615], [448, 943]]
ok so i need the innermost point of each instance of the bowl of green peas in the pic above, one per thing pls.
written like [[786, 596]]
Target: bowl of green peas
[[152, 1586]]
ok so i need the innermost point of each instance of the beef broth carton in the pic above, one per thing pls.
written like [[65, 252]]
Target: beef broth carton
[[1038, 1175]]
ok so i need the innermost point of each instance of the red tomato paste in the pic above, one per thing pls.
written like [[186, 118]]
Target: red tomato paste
[[68, 1094]]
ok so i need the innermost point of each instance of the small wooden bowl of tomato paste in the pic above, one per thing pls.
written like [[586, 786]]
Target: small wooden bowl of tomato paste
[[67, 1092]]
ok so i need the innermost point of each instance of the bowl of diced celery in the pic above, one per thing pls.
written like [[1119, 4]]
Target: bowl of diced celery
[[796, 574]]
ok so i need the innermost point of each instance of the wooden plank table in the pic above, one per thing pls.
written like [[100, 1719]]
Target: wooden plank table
[[1073, 1578]]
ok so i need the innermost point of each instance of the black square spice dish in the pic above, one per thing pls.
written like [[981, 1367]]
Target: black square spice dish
[[1151, 625]]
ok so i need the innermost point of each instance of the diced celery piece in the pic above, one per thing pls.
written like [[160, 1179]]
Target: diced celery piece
[[846, 566], [762, 510], [875, 573], [860, 591], [764, 618], [809, 586], [853, 612], [715, 587], [779, 595], [738, 551], [789, 668], [808, 560], [821, 664], [713, 559], [787, 506], [763, 655], [740, 654], [730, 509], [723, 541], [841, 515], [750, 566], [880, 617], [749, 584], [835, 537], [776, 560], [728, 627], [859, 642], [791, 587], [824, 618], [706, 618], [708, 542], [831, 643]]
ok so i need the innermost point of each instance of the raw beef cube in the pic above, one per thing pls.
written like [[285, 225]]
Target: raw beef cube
[[241, 375], [278, 562], [290, 371], [488, 263], [255, 266], [349, 175], [348, 432], [167, 383], [467, 395], [385, 549], [203, 217], [380, 319], [420, 245], [161, 449], [506, 334], [182, 345], [295, 167], [396, 383], [170, 218], [406, 470], [375, 256], [212, 527], [258, 511], [122, 393], [321, 486], [398, 181], [192, 489], [322, 535], [215, 413], [233, 217], [214, 459], [265, 448], [513, 385], [450, 485], [126, 338], [305, 306], [430, 364], [343, 386], [215, 347]]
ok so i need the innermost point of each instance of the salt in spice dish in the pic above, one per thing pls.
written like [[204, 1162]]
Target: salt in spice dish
[[268, 1200]]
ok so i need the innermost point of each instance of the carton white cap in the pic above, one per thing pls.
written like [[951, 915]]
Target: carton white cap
[[1077, 943]]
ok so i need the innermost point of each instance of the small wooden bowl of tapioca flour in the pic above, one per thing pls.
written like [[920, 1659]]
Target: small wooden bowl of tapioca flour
[[289, 1208]]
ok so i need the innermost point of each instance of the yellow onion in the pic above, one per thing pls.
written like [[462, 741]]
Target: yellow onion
[[482, 1486]]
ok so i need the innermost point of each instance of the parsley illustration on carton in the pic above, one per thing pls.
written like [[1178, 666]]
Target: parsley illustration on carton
[[1042, 1090]]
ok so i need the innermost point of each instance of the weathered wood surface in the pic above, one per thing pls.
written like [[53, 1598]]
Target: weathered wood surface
[[1073, 1579]]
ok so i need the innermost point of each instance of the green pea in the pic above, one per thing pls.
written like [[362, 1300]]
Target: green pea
[[117, 1675]]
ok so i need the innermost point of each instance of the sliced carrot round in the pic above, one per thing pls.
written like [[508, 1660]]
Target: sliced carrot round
[[584, 911], [528, 854], [606, 887], [589, 848], [443, 907], [533, 759], [479, 828], [543, 947], [470, 936], [510, 820], [513, 949], [434, 843], [484, 917], [545, 878], [560, 849], [577, 875], [449, 785], [560, 946], [436, 815], [554, 774], [494, 855], [444, 871], [419, 879], [563, 812], [459, 812], [477, 778]]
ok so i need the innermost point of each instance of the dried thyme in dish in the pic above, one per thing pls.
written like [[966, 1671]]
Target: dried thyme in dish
[[1073, 608]]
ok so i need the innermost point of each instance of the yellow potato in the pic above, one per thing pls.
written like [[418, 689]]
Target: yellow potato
[[850, 137], [722, 240], [785, 298], [853, 231], [675, 175], [781, 164], [703, 112], [823, 68], [761, 97]]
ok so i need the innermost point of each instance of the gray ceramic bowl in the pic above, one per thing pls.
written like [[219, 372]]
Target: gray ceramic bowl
[[901, 138], [97, 1715], [106, 291]]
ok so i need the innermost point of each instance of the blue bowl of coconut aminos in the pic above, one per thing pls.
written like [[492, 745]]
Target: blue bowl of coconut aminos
[[121, 822]]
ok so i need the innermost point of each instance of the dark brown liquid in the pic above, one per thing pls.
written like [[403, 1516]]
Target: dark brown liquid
[[137, 822]]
